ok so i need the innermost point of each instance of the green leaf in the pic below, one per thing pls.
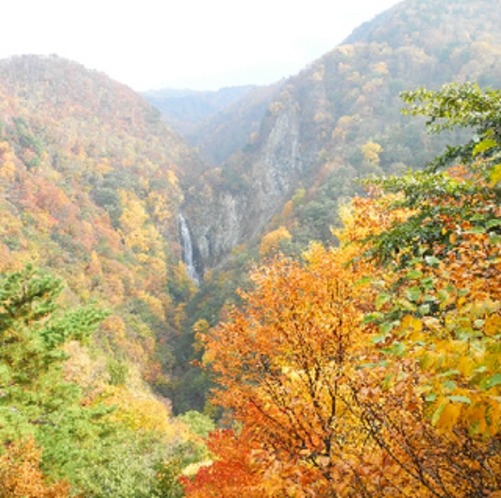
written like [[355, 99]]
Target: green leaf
[[363, 281], [450, 288], [413, 293], [432, 260], [378, 339], [381, 300], [484, 145], [495, 380], [386, 327], [494, 239], [382, 363], [478, 217], [414, 274], [387, 381], [449, 385], [399, 349], [424, 309], [460, 399], [475, 230], [372, 318], [428, 282], [449, 373], [443, 295], [438, 412], [493, 223]]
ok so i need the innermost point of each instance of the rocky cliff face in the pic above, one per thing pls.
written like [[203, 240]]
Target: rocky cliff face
[[228, 130], [232, 205]]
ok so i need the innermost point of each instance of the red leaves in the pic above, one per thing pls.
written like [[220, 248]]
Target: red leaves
[[234, 472]]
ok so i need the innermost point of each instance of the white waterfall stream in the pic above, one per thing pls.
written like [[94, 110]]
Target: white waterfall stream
[[188, 250]]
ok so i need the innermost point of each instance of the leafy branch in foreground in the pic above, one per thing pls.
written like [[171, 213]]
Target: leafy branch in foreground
[[467, 196], [460, 106]]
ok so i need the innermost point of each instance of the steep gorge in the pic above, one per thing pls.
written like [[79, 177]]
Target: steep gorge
[[95, 188], [317, 129]]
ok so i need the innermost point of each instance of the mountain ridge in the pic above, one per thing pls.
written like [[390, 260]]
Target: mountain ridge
[[185, 109]]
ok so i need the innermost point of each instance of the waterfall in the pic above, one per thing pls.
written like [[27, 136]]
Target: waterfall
[[188, 250]]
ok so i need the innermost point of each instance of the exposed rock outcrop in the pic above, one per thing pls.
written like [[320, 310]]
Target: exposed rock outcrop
[[233, 204]]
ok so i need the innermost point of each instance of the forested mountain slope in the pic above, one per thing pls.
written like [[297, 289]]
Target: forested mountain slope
[[89, 180], [90, 191], [340, 119], [372, 368], [91, 187]]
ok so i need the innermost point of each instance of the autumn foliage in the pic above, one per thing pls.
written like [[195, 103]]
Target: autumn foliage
[[373, 368], [21, 476], [228, 477]]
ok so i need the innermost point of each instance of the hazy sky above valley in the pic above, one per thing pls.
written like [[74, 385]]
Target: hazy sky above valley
[[198, 44]]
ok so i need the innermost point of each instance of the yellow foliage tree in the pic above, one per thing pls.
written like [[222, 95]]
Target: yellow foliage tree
[[271, 241], [371, 151], [7, 166]]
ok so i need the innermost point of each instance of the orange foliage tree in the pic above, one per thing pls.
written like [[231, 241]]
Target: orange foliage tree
[[373, 369], [235, 472], [20, 474]]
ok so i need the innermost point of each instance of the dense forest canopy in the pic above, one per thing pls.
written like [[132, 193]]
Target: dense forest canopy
[[337, 120], [342, 335]]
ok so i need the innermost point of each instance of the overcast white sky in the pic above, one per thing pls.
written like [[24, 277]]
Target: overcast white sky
[[198, 44]]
